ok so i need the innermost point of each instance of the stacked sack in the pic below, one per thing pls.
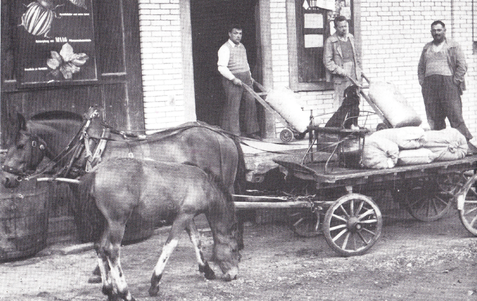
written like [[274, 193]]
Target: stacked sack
[[412, 145]]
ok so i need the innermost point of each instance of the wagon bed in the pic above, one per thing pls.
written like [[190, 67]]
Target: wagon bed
[[341, 176], [349, 219]]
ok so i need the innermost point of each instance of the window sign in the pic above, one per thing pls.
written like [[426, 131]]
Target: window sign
[[55, 40], [313, 21], [313, 40]]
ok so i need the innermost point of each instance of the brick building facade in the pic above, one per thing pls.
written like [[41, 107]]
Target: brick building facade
[[391, 34]]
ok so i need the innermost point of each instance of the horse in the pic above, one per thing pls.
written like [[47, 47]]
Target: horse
[[50, 133], [120, 185]]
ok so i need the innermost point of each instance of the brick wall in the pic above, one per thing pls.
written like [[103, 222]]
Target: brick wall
[[162, 64], [393, 33]]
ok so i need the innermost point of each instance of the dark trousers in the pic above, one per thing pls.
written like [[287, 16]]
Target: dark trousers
[[442, 99], [234, 97]]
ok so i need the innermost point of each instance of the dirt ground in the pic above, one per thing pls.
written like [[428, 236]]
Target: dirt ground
[[412, 261]]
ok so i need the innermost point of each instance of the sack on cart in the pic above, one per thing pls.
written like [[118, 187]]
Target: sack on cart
[[447, 144], [392, 105]]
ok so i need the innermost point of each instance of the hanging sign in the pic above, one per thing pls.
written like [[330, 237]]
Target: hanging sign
[[55, 41]]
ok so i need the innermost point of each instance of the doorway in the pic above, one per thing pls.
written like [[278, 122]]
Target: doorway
[[210, 21]]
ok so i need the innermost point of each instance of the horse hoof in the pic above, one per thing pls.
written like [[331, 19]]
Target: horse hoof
[[94, 279], [153, 291], [209, 275]]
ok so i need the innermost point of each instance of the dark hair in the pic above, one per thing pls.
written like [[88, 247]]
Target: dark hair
[[438, 22], [339, 19], [236, 26]]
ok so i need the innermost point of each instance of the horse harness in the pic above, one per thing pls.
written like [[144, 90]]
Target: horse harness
[[39, 149]]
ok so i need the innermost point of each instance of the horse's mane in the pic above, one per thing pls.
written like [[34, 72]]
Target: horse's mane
[[52, 115], [180, 128]]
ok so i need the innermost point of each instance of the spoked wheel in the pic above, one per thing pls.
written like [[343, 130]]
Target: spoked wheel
[[467, 206], [352, 225], [429, 199], [305, 222]]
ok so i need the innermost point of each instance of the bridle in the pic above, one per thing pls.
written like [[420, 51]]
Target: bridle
[[38, 150], [77, 145]]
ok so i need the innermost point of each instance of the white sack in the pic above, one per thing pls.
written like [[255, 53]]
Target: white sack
[[416, 156], [284, 102], [409, 137], [393, 105], [448, 144], [380, 153]]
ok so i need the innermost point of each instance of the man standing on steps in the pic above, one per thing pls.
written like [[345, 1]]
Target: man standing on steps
[[441, 72], [234, 67]]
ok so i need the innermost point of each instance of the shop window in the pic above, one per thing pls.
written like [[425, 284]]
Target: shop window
[[313, 24]]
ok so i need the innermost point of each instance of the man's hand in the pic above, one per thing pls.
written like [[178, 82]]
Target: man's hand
[[237, 81]]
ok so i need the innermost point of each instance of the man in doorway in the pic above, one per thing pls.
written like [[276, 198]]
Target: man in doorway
[[341, 60], [441, 72], [233, 65]]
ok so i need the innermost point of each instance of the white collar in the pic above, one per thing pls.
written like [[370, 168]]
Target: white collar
[[233, 44]]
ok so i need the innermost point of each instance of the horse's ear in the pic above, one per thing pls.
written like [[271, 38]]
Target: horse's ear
[[21, 122]]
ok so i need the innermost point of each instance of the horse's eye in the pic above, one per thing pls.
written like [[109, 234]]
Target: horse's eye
[[20, 146]]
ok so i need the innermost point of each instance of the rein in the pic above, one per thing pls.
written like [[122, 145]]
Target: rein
[[79, 143]]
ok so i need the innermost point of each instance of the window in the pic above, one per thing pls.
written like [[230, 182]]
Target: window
[[308, 31]]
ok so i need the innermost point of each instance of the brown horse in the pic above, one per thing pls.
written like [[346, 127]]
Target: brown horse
[[158, 190], [50, 133]]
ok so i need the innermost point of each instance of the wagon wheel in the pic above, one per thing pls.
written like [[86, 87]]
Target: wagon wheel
[[467, 206], [352, 224], [286, 135], [305, 222], [429, 199]]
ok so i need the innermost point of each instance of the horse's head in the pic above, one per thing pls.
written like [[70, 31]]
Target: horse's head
[[227, 256], [23, 156]]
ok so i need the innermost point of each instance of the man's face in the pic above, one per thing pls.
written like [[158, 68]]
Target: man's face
[[438, 33], [342, 28], [236, 35]]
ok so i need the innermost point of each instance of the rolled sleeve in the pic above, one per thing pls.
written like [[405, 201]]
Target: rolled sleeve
[[223, 61]]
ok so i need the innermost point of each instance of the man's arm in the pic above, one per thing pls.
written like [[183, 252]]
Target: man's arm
[[223, 62], [328, 59], [421, 67], [461, 66]]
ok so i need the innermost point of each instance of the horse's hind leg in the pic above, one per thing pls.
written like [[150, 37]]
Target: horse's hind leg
[[195, 239], [103, 266], [171, 243], [117, 274]]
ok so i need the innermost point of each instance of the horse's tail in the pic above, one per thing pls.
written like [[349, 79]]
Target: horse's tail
[[240, 180]]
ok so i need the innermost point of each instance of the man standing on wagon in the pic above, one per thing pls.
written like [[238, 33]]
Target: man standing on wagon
[[441, 72], [341, 60], [234, 67]]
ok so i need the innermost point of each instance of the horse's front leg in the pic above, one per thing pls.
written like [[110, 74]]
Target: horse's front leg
[[195, 239], [171, 243]]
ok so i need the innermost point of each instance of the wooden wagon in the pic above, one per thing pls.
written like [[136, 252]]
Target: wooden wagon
[[336, 200]]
